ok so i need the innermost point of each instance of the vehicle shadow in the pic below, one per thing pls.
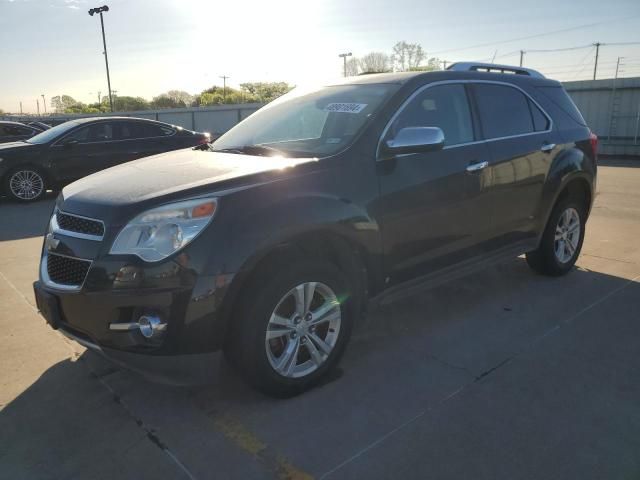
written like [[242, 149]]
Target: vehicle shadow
[[25, 220]]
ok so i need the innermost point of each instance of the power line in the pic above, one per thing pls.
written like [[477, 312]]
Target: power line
[[537, 35]]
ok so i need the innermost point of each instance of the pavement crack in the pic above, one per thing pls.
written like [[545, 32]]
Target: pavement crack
[[150, 433], [451, 365]]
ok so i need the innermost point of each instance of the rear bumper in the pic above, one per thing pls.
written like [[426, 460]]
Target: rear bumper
[[196, 369]]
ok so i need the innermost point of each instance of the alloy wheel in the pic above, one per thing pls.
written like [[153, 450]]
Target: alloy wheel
[[26, 184], [303, 330], [567, 235]]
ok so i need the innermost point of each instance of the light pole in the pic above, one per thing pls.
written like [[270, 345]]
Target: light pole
[[224, 88], [100, 10], [344, 61], [44, 104]]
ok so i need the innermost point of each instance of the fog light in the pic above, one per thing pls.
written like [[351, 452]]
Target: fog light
[[151, 325]]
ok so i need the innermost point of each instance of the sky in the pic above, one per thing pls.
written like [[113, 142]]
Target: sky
[[54, 47]]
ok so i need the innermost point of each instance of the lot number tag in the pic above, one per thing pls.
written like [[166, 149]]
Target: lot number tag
[[345, 107]]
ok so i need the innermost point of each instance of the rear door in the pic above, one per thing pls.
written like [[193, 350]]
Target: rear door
[[86, 150], [522, 143], [432, 209], [141, 139]]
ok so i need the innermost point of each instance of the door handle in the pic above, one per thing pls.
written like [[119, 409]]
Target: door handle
[[547, 147], [475, 167]]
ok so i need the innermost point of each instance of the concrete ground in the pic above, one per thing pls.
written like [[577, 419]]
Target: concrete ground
[[504, 374]]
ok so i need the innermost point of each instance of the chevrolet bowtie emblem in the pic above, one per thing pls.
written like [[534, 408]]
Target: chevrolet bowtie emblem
[[51, 243]]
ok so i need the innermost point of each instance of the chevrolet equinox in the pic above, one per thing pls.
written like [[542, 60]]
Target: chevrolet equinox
[[267, 244]]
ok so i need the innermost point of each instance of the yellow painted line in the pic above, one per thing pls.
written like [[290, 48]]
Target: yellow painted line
[[246, 440]]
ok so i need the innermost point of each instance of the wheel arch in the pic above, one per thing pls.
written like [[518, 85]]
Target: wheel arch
[[344, 252]]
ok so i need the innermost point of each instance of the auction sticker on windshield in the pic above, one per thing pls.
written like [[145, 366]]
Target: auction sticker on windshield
[[345, 107]]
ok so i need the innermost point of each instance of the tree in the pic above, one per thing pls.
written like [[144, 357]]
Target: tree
[[353, 67], [433, 64], [61, 103], [265, 91], [126, 104], [407, 56], [375, 62], [172, 99]]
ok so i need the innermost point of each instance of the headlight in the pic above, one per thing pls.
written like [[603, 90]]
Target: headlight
[[155, 234]]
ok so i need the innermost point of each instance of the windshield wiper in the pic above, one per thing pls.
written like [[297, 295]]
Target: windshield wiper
[[260, 150]]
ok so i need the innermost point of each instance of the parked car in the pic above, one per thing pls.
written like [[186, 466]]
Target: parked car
[[41, 126], [77, 148], [15, 131], [267, 244]]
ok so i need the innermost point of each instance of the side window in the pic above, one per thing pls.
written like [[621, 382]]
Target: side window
[[97, 132], [132, 130], [504, 111], [444, 106], [159, 130], [540, 121]]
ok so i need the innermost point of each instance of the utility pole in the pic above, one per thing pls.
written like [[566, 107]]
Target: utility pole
[[100, 10], [521, 56], [38, 105], [99, 97], [224, 88], [444, 64], [595, 66], [20, 107], [44, 104], [344, 61]]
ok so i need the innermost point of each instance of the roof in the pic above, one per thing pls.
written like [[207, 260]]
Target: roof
[[463, 71], [9, 122]]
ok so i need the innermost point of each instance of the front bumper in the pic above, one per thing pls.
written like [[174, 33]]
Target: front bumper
[[196, 369]]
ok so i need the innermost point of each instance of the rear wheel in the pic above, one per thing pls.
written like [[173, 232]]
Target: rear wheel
[[25, 184], [293, 327], [561, 241]]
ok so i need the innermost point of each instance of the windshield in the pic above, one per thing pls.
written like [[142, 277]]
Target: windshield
[[307, 123], [53, 133]]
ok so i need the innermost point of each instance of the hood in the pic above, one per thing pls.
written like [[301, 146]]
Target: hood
[[185, 172]]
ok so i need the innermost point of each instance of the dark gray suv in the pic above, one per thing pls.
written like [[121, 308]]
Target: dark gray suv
[[267, 244]]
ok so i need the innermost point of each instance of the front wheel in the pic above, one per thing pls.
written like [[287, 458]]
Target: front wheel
[[561, 241], [295, 328], [25, 184]]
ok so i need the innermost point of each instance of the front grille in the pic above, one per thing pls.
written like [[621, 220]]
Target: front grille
[[67, 271], [86, 226]]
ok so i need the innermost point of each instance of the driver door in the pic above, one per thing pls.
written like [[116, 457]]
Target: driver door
[[432, 208]]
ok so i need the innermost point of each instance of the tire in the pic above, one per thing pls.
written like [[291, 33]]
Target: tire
[[275, 291], [25, 184], [555, 259]]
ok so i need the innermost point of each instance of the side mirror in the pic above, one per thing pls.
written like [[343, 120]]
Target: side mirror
[[415, 140]]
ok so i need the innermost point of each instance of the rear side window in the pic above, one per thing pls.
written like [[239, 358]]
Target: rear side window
[[140, 130], [561, 99], [504, 111], [444, 106]]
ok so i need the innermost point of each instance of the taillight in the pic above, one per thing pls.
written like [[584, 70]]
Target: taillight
[[593, 139]]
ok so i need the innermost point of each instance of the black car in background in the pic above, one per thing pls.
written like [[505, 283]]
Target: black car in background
[[266, 244], [80, 147], [16, 131], [40, 126]]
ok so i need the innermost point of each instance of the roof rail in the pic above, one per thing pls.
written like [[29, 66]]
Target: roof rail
[[493, 68]]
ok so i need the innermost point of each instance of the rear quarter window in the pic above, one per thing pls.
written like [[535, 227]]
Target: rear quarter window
[[561, 99]]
